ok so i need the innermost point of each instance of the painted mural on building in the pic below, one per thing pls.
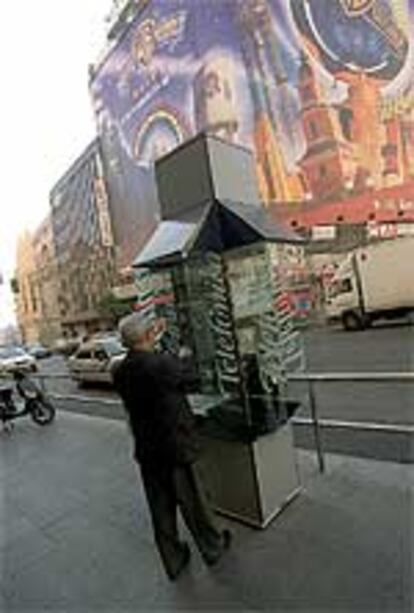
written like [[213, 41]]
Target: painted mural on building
[[321, 91]]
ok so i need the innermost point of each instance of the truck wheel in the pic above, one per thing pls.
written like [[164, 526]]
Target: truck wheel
[[410, 318], [352, 321], [367, 322]]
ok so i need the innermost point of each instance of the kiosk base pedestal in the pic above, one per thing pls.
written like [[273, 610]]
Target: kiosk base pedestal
[[251, 482]]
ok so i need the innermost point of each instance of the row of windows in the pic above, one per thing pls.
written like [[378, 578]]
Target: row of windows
[[75, 217], [315, 130]]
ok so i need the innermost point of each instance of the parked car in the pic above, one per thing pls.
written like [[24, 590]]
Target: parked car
[[67, 347], [13, 359], [106, 334], [39, 351], [94, 360]]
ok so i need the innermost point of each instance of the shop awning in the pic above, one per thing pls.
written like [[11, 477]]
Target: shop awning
[[211, 226]]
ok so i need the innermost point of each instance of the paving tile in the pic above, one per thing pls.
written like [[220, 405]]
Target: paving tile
[[78, 536], [46, 502], [89, 565], [14, 525], [199, 591], [321, 557], [22, 552]]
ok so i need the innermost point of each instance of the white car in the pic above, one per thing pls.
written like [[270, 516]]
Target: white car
[[14, 359], [94, 361]]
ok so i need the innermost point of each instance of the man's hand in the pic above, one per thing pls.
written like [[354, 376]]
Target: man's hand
[[185, 352]]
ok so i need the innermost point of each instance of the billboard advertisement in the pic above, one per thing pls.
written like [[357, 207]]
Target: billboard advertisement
[[320, 90]]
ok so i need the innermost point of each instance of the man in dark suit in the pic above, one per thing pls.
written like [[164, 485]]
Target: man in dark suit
[[153, 387]]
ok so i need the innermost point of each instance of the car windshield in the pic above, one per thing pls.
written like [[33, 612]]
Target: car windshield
[[113, 347], [339, 286], [11, 352]]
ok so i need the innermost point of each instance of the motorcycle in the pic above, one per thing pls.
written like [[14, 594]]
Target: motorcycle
[[35, 403]]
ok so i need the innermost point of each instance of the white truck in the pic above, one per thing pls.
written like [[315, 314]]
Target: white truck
[[373, 282]]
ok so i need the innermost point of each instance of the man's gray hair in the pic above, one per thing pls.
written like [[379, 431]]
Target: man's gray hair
[[132, 327]]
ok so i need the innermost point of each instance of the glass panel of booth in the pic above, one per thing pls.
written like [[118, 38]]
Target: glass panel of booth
[[231, 313], [260, 280]]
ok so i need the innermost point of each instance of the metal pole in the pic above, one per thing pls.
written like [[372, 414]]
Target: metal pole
[[316, 428], [43, 388], [41, 379]]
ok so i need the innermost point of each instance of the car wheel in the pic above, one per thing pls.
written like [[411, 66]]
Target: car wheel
[[352, 321]]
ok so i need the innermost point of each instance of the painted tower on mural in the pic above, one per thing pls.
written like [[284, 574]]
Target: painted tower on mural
[[398, 150], [329, 162], [363, 44], [277, 133]]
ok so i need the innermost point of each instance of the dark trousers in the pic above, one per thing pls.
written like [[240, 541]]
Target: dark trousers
[[171, 487]]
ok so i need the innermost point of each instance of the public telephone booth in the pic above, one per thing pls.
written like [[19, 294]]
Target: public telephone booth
[[217, 262]]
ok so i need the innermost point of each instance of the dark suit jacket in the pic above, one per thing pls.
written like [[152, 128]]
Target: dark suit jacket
[[153, 387]]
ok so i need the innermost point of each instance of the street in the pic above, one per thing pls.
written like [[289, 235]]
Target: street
[[383, 348]]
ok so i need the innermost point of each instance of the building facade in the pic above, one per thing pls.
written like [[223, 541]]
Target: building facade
[[47, 282], [322, 92], [26, 291], [83, 244]]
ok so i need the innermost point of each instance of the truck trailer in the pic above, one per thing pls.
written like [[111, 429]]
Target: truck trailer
[[373, 282]]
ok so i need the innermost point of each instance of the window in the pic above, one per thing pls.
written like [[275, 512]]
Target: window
[[307, 93], [322, 171], [114, 347], [345, 286], [84, 354], [11, 352], [341, 286], [313, 129], [211, 85], [269, 178], [101, 355], [346, 120]]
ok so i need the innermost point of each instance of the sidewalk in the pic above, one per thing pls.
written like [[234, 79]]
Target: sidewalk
[[75, 534]]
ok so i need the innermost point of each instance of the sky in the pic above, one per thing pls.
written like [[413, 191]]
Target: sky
[[46, 118]]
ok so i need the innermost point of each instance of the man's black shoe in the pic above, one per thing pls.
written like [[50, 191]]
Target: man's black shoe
[[226, 543], [227, 539], [173, 576]]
